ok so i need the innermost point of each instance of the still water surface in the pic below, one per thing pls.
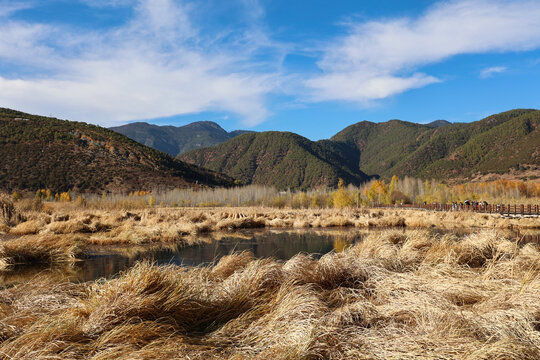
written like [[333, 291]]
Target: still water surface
[[278, 245], [106, 262]]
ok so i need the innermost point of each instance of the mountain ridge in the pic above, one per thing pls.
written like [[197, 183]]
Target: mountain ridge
[[39, 152], [439, 150], [175, 140], [280, 159]]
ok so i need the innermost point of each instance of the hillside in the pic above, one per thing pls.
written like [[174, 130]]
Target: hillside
[[280, 159], [38, 152], [383, 145], [503, 146], [500, 144], [177, 140]]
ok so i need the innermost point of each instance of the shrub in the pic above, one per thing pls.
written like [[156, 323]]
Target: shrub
[[65, 197], [16, 196]]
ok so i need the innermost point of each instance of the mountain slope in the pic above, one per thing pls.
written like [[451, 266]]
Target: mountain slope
[[177, 140], [39, 152], [446, 141], [512, 144], [383, 145], [444, 150], [280, 159]]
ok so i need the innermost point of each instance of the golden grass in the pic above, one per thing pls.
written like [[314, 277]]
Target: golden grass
[[183, 224], [44, 250], [392, 296], [9, 214]]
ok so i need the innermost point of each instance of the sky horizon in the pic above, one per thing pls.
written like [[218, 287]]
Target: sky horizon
[[304, 66]]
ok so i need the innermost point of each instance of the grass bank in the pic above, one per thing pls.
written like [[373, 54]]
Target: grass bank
[[39, 250], [393, 296], [56, 234], [190, 224]]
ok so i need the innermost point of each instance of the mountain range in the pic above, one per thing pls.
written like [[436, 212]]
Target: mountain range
[[505, 144], [46, 153], [39, 152]]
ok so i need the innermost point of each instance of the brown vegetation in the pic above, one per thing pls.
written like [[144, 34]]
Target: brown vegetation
[[188, 224], [58, 232], [39, 250], [9, 215], [393, 296]]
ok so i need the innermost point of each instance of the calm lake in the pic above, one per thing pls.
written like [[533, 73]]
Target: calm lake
[[106, 262]]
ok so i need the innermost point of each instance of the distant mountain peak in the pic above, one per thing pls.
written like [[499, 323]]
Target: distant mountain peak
[[175, 140], [439, 123]]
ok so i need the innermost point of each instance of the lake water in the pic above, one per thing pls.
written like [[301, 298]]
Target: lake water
[[106, 262]]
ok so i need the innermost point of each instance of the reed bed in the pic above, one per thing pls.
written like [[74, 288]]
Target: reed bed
[[154, 225], [39, 250], [393, 296]]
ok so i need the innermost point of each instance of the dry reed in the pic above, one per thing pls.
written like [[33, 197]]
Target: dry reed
[[392, 296], [33, 250], [184, 224]]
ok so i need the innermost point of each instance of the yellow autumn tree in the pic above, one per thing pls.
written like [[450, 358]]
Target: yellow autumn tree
[[378, 192], [340, 197]]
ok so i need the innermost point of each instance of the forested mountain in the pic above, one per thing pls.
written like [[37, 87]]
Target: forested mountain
[[499, 144], [175, 140], [45, 153], [383, 145], [281, 159], [505, 144], [39, 152]]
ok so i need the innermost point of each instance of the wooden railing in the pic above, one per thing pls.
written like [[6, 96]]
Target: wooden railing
[[507, 209]]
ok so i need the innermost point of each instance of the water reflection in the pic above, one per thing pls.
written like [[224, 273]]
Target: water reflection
[[280, 246], [106, 262]]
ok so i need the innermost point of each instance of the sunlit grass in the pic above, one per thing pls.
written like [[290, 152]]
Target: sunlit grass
[[392, 296]]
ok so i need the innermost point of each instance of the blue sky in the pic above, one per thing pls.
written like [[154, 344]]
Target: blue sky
[[307, 66]]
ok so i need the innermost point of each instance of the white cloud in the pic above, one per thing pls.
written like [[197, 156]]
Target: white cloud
[[378, 59], [488, 72], [156, 65], [7, 8]]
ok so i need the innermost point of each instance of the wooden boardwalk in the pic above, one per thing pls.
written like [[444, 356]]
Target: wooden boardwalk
[[503, 209]]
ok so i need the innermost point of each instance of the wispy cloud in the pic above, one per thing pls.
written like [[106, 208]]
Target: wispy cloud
[[378, 59], [488, 72], [156, 65], [7, 8]]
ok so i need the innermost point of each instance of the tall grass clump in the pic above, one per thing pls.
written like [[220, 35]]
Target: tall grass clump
[[393, 296], [9, 216], [39, 250]]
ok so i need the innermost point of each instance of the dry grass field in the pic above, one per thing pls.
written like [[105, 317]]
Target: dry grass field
[[165, 224], [60, 232], [395, 295], [392, 296]]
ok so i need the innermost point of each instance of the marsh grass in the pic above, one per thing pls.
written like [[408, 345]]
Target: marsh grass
[[162, 225], [9, 215], [42, 250], [392, 296]]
